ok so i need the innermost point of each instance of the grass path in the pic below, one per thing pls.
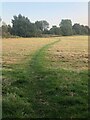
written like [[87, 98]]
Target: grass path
[[37, 91]]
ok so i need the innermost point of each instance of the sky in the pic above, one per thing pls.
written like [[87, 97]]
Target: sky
[[53, 12]]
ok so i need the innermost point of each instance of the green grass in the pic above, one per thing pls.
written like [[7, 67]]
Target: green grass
[[32, 90]]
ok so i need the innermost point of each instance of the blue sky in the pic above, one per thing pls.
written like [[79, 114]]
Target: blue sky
[[53, 12]]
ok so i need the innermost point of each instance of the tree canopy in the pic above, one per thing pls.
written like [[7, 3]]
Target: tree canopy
[[23, 27], [55, 30], [80, 29], [66, 27]]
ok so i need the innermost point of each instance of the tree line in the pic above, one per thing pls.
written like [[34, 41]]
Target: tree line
[[23, 27]]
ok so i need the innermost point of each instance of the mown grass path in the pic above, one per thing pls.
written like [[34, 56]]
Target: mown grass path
[[40, 92]]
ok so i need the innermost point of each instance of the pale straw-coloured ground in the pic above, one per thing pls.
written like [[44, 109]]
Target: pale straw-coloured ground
[[70, 53], [17, 49]]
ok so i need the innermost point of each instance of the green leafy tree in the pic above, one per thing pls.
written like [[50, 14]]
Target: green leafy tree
[[42, 25], [45, 25], [55, 30], [66, 27], [77, 29], [39, 25], [88, 29], [84, 30], [46, 32], [80, 29], [22, 26], [6, 29]]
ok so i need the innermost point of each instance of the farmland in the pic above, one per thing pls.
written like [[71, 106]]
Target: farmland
[[45, 77]]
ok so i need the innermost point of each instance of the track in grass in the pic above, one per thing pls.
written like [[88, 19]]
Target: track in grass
[[61, 93], [40, 92]]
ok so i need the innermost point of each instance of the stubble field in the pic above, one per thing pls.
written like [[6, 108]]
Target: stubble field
[[45, 77]]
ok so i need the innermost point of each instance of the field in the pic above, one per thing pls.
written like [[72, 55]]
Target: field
[[45, 77]]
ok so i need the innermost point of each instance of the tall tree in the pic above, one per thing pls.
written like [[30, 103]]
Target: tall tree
[[66, 27], [21, 26]]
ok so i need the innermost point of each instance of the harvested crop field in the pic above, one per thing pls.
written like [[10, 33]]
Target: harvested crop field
[[70, 53], [15, 50], [45, 77]]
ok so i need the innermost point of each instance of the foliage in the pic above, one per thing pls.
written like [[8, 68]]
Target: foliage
[[77, 29], [42, 25], [80, 29], [55, 30], [21, 26], [6, 31], [66, 27]]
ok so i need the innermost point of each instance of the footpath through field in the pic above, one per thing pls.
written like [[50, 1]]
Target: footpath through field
[[58, 93]]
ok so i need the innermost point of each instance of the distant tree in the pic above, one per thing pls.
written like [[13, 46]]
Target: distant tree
[[80, 29], [46, 32], [45, 25], [39, 25], [6, 30], [42, 25], [9, 29], [84, 30], [32, 30], [66, 27], [55, 30], [87, 27], [22, 26], [77, 29]]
